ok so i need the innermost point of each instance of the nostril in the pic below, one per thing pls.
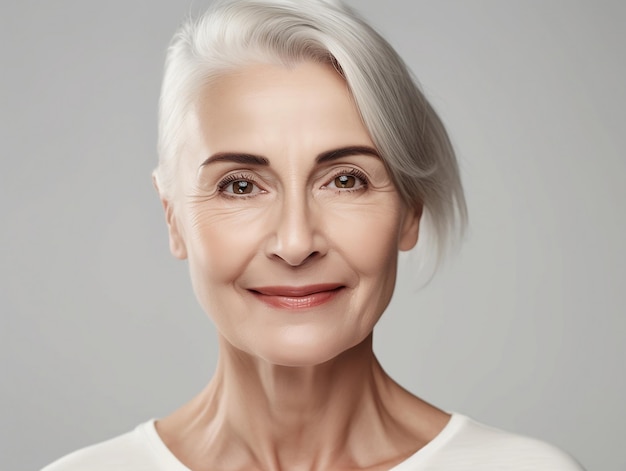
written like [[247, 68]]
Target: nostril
[[311, 256], [295, 260]]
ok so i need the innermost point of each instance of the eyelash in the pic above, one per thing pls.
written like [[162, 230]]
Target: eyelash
[[353, 172], [228, 179], [223, 184]]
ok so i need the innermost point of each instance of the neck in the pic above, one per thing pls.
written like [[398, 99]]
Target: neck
[[258, 415]]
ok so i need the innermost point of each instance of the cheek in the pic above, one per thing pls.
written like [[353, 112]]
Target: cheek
[[368, 243], [367, 236], [221, 243]]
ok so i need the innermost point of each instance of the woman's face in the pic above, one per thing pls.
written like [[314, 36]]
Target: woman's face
[[288, 217]]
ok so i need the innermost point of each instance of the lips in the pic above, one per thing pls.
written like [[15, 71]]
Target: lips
[[297, 297]]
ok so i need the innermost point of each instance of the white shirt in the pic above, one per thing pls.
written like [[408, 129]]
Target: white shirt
[[462, 445]]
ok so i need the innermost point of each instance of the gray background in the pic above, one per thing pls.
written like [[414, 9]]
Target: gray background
[[523, 329]]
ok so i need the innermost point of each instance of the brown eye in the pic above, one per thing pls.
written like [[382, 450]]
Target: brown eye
[[345, 181], [239, 185], [242, 187]]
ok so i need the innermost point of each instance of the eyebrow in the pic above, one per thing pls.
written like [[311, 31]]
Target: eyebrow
[[328, 156], [335, 154], [236, 157]]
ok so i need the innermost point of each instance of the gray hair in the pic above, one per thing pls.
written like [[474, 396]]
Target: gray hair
[[403, 125]]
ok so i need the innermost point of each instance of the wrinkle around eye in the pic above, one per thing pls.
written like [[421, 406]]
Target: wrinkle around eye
[[206, 205], [202, 216], [200, 195]]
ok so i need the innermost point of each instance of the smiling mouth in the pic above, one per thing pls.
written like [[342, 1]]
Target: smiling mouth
[[297, 297]]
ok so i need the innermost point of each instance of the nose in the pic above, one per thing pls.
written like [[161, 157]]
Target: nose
[[297, 236]]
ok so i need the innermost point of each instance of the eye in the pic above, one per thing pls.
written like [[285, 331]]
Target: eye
[[241, 187], [238, 185], [345, 181], [348, 180]]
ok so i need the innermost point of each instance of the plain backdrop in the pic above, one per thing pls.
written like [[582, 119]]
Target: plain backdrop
[[524, 329]]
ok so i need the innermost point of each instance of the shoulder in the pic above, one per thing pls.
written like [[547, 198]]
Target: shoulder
[[467, 445], [130, 451], [515, 451]]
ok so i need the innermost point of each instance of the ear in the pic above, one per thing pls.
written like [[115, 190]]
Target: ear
[[177, 242], [409, 232]]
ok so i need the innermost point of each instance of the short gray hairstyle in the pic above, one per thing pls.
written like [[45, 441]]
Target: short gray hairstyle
[[403, 125]]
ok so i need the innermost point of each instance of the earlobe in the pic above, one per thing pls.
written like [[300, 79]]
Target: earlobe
[[410, 228], [177, 242]]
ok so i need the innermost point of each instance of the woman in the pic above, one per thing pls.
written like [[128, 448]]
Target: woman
[[297, 158]]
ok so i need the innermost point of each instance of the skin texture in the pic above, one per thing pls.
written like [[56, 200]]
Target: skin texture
[[292, 249]]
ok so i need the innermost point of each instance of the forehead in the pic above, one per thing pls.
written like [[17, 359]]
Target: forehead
[[306, 105]]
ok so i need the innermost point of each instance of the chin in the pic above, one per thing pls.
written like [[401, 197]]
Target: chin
[[305, 351]]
